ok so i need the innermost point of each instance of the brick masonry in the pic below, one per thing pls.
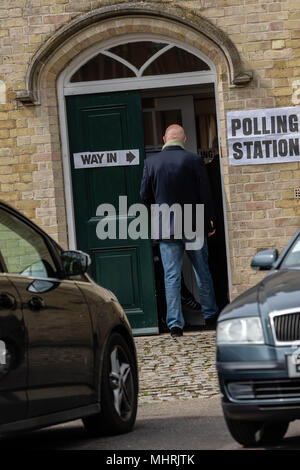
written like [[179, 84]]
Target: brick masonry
[[260, 206]]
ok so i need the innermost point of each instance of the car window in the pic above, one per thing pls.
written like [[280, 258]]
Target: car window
[[293, 256], [24, 251]]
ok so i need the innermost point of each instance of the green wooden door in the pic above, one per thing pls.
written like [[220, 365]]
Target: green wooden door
[[102, 123]]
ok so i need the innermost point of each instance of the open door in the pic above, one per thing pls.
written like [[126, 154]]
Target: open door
[[158, 114], [105, 123], [196, 113]]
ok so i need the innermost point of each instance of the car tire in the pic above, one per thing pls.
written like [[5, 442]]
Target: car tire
[[119, 391], [254, 433]]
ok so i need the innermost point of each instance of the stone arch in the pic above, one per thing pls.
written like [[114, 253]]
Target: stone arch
[[96, 27], [133, 17]]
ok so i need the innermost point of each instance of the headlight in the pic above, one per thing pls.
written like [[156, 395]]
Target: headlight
[[240, 330]]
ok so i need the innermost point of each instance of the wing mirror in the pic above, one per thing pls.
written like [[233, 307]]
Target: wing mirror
[[75, 262], [264, 260]]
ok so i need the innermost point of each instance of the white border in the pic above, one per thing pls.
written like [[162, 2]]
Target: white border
[[223, 197], [65, 88], [145, 331]]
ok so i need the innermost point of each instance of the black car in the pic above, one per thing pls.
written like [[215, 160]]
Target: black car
[[258, 351], [66, 346]]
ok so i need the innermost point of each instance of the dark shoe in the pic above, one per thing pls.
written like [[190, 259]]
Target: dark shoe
[[211, 323], [191, 303], [176, 332]]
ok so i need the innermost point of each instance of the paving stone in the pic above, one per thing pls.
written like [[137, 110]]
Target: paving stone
[[181, 368]]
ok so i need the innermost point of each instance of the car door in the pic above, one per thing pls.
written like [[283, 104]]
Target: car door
[[13, 360], [56, 319]]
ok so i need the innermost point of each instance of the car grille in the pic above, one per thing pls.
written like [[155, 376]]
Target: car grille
[[287, 327], [265, 389], [276, 389]]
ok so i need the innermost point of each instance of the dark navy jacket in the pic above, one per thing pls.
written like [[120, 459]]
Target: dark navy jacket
[[175, 175]]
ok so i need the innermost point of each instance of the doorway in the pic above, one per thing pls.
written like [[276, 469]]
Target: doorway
[[105, 93], [195, 110]]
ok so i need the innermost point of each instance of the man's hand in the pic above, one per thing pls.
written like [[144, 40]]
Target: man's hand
[[211, 233]]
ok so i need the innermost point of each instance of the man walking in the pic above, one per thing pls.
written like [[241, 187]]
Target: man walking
[[175, 176]]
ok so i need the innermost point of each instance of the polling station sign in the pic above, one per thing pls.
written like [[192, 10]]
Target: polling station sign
[[263, 136], [106, 158]]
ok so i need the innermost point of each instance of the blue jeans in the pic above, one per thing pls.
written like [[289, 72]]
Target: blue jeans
[[172, 256]]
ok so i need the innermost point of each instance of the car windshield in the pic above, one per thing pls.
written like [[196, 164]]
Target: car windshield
[[292, 258]]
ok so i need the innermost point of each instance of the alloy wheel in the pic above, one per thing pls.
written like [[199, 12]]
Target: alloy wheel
[[121, 382]]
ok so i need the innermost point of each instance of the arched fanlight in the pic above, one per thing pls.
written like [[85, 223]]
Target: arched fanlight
[[137, 59]]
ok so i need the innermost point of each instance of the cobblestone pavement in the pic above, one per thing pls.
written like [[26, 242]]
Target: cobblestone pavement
[[181, 368]]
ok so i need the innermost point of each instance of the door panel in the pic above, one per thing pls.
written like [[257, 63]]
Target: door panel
[[119, 269], [60, 345], [13, 364], [92, 121], [99, 123]]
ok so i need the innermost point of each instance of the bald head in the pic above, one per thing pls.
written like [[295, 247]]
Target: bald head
[[174, 132]]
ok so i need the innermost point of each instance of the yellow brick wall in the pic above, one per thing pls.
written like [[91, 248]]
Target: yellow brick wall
[[260, 204]]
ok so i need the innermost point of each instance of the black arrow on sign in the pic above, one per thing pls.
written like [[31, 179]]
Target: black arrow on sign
[[130, 157]]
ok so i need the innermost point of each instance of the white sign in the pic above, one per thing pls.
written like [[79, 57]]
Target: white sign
[[264, 136], [106, 158]]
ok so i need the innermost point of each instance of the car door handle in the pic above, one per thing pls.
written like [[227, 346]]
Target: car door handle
[[35, 303], [7, 300]]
